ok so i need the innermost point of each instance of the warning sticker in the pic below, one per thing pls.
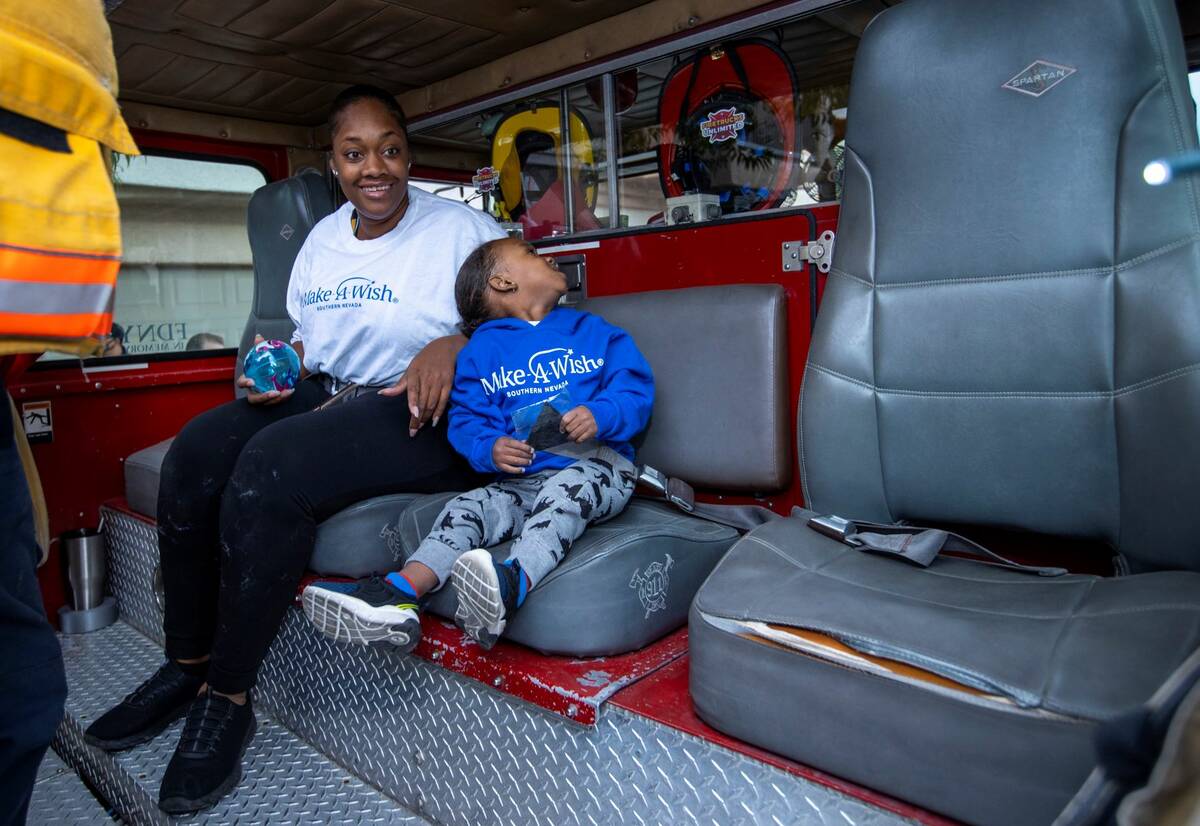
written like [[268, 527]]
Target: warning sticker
[[37, 420], [723, 124]]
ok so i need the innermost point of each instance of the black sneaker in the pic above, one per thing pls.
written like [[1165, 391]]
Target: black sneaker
[[371, 610], [149, 709], [207, 763], [488, 592]]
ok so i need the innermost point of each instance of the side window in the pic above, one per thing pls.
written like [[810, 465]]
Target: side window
[[734, 127], [463, 193], [186, 278], [752, 123]]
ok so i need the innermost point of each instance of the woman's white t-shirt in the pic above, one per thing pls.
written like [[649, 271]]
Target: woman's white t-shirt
[[364, 308]]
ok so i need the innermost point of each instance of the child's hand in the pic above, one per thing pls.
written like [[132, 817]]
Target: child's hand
[[510, 455], [579, 424]]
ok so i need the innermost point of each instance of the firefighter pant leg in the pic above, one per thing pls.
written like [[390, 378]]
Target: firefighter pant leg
[[32, 683]]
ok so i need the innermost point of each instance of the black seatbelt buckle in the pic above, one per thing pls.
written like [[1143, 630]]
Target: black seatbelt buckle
[[835, 527], [676, 491]]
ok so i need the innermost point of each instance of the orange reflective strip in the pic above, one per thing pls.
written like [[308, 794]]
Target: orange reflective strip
[[78, 325], [24, 264]]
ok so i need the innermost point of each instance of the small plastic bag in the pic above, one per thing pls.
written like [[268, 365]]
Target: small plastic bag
[[540, 424]]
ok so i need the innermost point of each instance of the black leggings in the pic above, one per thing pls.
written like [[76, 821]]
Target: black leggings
[[243, 488]]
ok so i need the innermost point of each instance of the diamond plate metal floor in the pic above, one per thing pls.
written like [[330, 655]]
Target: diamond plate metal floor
[[60, 798], [460, 753], [285, 780]]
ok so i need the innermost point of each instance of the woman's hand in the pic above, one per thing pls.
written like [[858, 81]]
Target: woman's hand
[[271, 396], [510, 455], [428, 381], [579, 424]]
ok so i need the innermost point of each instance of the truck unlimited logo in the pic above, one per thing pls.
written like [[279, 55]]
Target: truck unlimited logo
[[723, 125], [351, 292], [651, 586], [544, 367], [1038, 78]]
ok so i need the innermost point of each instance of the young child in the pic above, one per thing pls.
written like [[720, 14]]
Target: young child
[[527, 361]]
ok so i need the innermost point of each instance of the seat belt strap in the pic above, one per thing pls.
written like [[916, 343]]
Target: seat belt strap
[[680, 494], [921, 546]]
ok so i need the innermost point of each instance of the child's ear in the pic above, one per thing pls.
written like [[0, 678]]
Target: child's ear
[[501, 284]]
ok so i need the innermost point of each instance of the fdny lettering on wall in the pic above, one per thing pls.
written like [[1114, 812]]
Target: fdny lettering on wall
[[155, 336]]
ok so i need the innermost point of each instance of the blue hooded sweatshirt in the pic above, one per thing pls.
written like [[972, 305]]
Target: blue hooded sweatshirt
[[510, 364]]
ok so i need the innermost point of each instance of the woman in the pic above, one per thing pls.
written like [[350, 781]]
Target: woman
[[245, 484]]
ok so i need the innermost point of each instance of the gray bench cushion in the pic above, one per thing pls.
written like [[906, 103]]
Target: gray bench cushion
[[722, 415], [1067, 652], [626, 582], [358, 541], [141, 477]]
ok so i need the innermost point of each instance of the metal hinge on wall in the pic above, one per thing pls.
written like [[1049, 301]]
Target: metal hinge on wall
[[797, 254]]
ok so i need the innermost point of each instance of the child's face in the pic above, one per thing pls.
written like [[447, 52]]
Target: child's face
[[536, 277]]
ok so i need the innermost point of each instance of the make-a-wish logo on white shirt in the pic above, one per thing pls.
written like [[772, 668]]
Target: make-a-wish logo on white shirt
[[544, 366], [351, 292]]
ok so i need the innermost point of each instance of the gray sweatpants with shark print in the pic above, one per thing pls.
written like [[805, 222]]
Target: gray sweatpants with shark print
[[546, 512]]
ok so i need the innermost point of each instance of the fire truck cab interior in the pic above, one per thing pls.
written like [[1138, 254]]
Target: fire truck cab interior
[[975, 425]]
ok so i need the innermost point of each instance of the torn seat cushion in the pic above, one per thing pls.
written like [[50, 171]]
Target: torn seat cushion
[[1063, 653], [625, 583], [361, 540]]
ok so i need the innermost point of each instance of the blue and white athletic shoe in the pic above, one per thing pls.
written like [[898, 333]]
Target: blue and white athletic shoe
[[371, 610], [488, 592]]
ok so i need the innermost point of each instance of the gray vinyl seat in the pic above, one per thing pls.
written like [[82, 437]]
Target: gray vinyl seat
[[279, 218], [719, 356], [1008, 340]]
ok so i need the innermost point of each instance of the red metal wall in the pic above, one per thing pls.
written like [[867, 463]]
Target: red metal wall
[[99, 419]]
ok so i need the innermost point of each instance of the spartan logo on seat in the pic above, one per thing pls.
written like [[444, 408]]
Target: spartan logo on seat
[[286, 232], [1038, 78], [651, 585]]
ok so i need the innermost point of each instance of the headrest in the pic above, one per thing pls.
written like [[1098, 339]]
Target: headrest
[[719, 356], [1009, 332], [279, 218]]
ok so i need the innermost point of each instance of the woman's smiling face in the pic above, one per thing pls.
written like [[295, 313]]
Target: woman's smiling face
[[370, 159]]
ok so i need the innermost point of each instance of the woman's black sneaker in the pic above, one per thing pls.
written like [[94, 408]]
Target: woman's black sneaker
[[149, 709], [207, 763]]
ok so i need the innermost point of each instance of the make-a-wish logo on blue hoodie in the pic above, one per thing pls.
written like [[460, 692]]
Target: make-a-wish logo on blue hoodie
[[544, 367], [351, 292]]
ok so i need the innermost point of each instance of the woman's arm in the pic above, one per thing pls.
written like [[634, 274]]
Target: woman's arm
[[429, 380]]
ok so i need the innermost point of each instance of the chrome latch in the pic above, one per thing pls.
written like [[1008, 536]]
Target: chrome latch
[[797, 254]]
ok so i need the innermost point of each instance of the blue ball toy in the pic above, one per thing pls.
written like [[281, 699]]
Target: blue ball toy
[[272, 365]]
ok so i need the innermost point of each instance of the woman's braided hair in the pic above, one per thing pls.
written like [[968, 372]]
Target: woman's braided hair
[[471, 286]]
